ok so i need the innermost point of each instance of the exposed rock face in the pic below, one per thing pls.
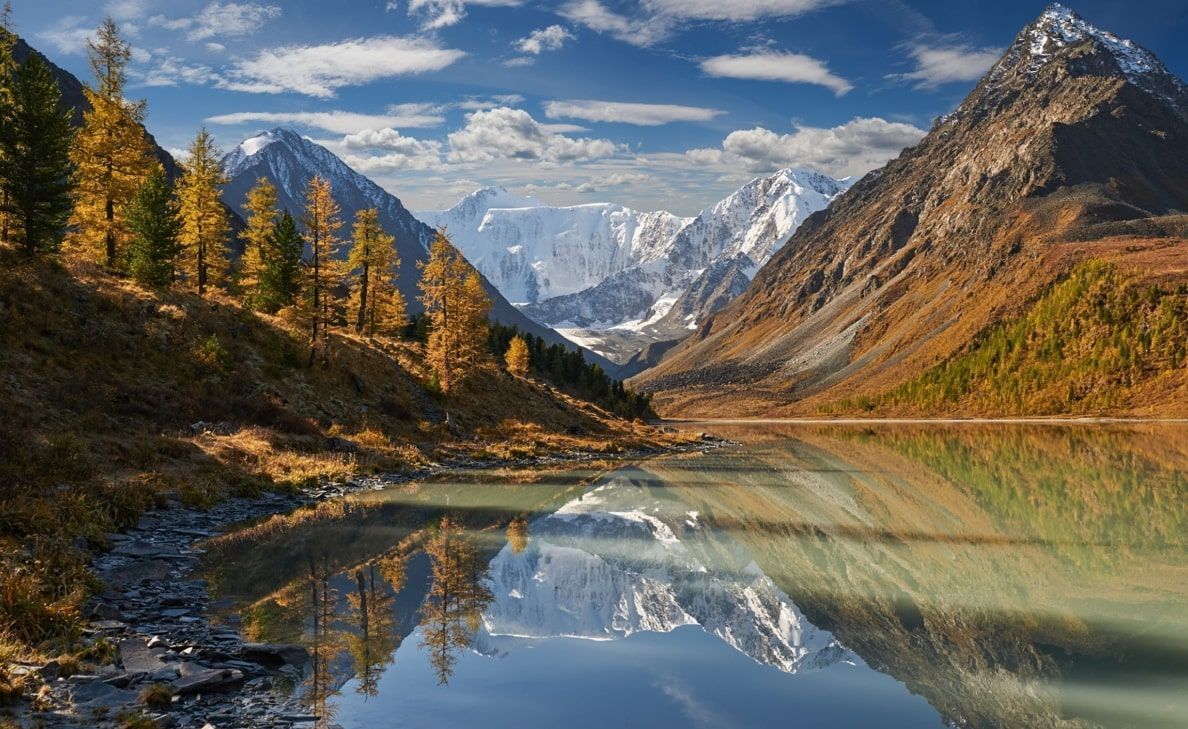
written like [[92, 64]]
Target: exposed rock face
[[1073, 135]]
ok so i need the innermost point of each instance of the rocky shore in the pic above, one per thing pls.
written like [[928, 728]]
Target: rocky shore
[[151, 620]]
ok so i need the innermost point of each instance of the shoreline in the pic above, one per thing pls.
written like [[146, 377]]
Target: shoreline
[[1054, 420], [154, 613]]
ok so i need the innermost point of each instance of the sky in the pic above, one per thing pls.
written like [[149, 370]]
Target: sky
[[654, 104]]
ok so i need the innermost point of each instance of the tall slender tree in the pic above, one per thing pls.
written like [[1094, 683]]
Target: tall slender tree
[[261, 221], [453, 296], [35, 160], [8, 40], [374, 261], [280, 276], [205, 229], [111, 153], [156, 230], [322, 223]]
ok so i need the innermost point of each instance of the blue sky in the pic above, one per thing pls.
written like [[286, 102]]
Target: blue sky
[[656, 104]]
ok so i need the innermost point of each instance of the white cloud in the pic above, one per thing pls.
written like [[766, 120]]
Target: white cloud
[[170, 71], [505, 133], [776, 66], [322, 69], [219, 19], [69, 35], [656, 20], [398, 152], [551, 38], [603, 183], [648, 115], [444, 13], [520, 62], [640, 31], [335, 122], [853, 148], [736, 10], [940, 65]]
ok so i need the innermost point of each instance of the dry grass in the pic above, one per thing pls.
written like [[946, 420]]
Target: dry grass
[[104, 383], [157, 696]]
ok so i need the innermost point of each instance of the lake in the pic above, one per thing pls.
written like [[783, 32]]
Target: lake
[[906, 575]]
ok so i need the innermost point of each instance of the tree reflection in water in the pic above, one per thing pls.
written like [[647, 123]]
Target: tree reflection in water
[[458, 594]]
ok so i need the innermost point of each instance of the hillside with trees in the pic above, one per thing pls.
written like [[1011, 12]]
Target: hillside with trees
[[143, 365]]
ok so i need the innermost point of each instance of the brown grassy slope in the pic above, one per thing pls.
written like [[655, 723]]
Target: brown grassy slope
[[101, 383], [958, 232]]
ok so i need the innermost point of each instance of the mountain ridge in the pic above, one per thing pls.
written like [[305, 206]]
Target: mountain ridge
[[1056, 149], [290, 161]]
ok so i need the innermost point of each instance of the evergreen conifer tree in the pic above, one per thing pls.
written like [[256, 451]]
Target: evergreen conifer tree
[[280, 274], [35, 160], [156, 227]]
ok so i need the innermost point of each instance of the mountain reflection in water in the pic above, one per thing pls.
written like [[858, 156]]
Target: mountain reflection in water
[[983, 576]]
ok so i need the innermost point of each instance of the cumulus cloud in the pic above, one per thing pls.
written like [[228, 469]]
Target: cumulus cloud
[[551, 38], [444, 13], [320, 70], [648, 115], [943, 64], [219, 19], [396, 151], [335, 122], [853, 148], [506, 133], [776, 66]]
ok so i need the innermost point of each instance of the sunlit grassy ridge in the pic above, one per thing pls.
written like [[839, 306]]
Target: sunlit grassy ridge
[[117, 399], [1083, 347]]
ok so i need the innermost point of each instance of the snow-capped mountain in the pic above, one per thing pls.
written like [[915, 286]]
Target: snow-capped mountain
[[291, 161], [702, 267], [619, 561], [533, 252], [616, 279]]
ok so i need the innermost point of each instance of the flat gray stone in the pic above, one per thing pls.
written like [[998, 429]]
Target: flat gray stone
[[138, 658], [96, 694], [208, 679]]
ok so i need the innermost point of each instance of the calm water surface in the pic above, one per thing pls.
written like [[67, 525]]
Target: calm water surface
[[812, 576]]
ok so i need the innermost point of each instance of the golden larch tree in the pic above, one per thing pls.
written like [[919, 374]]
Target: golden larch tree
[[205, 229], [322, 223], [111, 153], [457, 305], [517, 358], [257, 235], [373, 260]]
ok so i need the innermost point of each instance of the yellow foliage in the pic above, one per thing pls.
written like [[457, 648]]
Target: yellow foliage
[[205, 230], [457, 305], [517, 357], [111, 155], [261, 216]]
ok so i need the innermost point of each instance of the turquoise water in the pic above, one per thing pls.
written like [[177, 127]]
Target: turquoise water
[[898, 576]]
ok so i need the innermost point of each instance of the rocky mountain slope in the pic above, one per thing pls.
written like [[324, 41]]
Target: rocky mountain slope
[[616, 279], [290, 161], [1074, 146]]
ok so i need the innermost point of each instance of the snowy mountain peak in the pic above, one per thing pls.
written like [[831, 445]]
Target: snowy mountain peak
[[1059, 27]]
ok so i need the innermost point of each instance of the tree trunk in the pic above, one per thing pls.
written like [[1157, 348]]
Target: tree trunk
[[362, 299], [317, 300], [110, 233]]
